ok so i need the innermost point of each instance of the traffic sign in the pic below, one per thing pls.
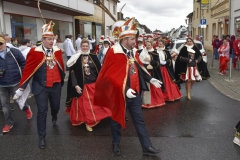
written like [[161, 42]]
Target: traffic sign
[[203, 21]]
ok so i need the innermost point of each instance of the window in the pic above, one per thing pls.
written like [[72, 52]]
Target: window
[[107, 4], [197, 12], [24, 27], [87, 28], [114, 9], [193, 15]]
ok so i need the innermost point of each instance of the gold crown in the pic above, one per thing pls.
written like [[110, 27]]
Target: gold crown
[[122, 29], [47, 29]]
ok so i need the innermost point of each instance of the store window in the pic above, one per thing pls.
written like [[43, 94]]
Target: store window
[[237, 25], [62, 29], [87, 29], [28, 28], [98, 32], [24, 27]]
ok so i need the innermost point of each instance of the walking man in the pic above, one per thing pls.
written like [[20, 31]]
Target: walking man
[[45, 66], [125, 91]]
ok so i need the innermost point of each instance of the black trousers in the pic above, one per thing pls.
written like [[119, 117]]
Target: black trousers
[[135, 109], [53, 94]]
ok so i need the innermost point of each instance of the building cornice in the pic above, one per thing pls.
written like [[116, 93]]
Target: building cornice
[[220, 4], [223, 11]]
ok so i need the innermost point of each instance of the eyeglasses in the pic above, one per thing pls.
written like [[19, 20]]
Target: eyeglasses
[[189, 41], [1, 43], [86, 66]]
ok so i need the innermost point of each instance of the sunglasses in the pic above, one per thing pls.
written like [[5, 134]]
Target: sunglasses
[[1, 43], [86, 66]]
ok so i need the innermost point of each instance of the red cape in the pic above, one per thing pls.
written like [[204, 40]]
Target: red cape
[[35, 59], [111, 83]]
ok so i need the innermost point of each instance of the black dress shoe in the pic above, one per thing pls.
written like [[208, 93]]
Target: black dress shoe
[[150, 151], [116, 150], [54, 120], [41, 143]]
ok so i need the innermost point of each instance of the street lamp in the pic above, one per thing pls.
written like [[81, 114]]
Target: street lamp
[[186, 21], [99, 3]]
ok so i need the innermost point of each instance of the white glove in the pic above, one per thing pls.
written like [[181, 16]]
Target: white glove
[[156, 82], [18, 93], [130, 93], [163, 62]]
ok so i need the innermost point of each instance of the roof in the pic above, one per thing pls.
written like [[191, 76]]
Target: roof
[[190, 14]]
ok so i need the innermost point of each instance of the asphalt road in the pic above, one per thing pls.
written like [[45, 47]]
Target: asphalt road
[[200, 129]]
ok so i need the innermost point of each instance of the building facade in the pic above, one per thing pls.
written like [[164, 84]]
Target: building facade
[[235, 17], [189, 22], [111, 5], [217, 18], [100, 22], [21, 19]]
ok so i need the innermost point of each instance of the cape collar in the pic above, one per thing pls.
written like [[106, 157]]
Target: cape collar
[[40, 49], [117, 48]]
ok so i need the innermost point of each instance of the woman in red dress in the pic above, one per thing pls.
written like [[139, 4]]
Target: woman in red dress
[[150, 60], [171, 92], [223, 51], [84, 69]]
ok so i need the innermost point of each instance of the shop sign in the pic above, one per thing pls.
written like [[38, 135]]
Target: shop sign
[[204, 4]]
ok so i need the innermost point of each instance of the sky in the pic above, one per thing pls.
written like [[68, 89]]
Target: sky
[[157, 14]]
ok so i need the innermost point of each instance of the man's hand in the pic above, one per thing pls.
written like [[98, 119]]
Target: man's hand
[[78, 89], [156, 83], [130, 93], [18, 93]]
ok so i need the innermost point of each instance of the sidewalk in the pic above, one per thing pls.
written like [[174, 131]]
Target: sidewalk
[[227, 86]]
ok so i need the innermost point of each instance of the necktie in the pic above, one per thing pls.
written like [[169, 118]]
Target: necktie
[[129, 53]]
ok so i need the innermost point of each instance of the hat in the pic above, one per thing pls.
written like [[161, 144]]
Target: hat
[[140, 38], [190, 50], [2, 40], [38, 43], [101, 38], [47, 29], [150, 37], [107, 40], [125, 29]]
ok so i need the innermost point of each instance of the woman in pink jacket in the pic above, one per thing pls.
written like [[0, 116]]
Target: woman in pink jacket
[[223, 51]]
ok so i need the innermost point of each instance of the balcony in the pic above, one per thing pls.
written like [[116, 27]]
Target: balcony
[[68, 7]]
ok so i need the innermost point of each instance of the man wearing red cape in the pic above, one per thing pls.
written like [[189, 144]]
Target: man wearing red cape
[[44, 65], [119, 86]]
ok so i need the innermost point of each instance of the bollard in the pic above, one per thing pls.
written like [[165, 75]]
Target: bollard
[[230, 70], [212, 58]]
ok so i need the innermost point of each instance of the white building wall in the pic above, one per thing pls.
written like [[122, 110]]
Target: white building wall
[[80, 5], [33, 12], [108, 20], [235, 12]]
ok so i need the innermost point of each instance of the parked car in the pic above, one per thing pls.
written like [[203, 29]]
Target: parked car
[[177, 46]]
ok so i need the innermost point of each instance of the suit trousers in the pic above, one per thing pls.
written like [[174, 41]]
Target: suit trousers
[[53, 94], [135, 108]]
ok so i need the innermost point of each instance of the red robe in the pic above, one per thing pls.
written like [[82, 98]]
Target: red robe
[[111, 83], [97, 49], [236, 47], [35, 59]]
